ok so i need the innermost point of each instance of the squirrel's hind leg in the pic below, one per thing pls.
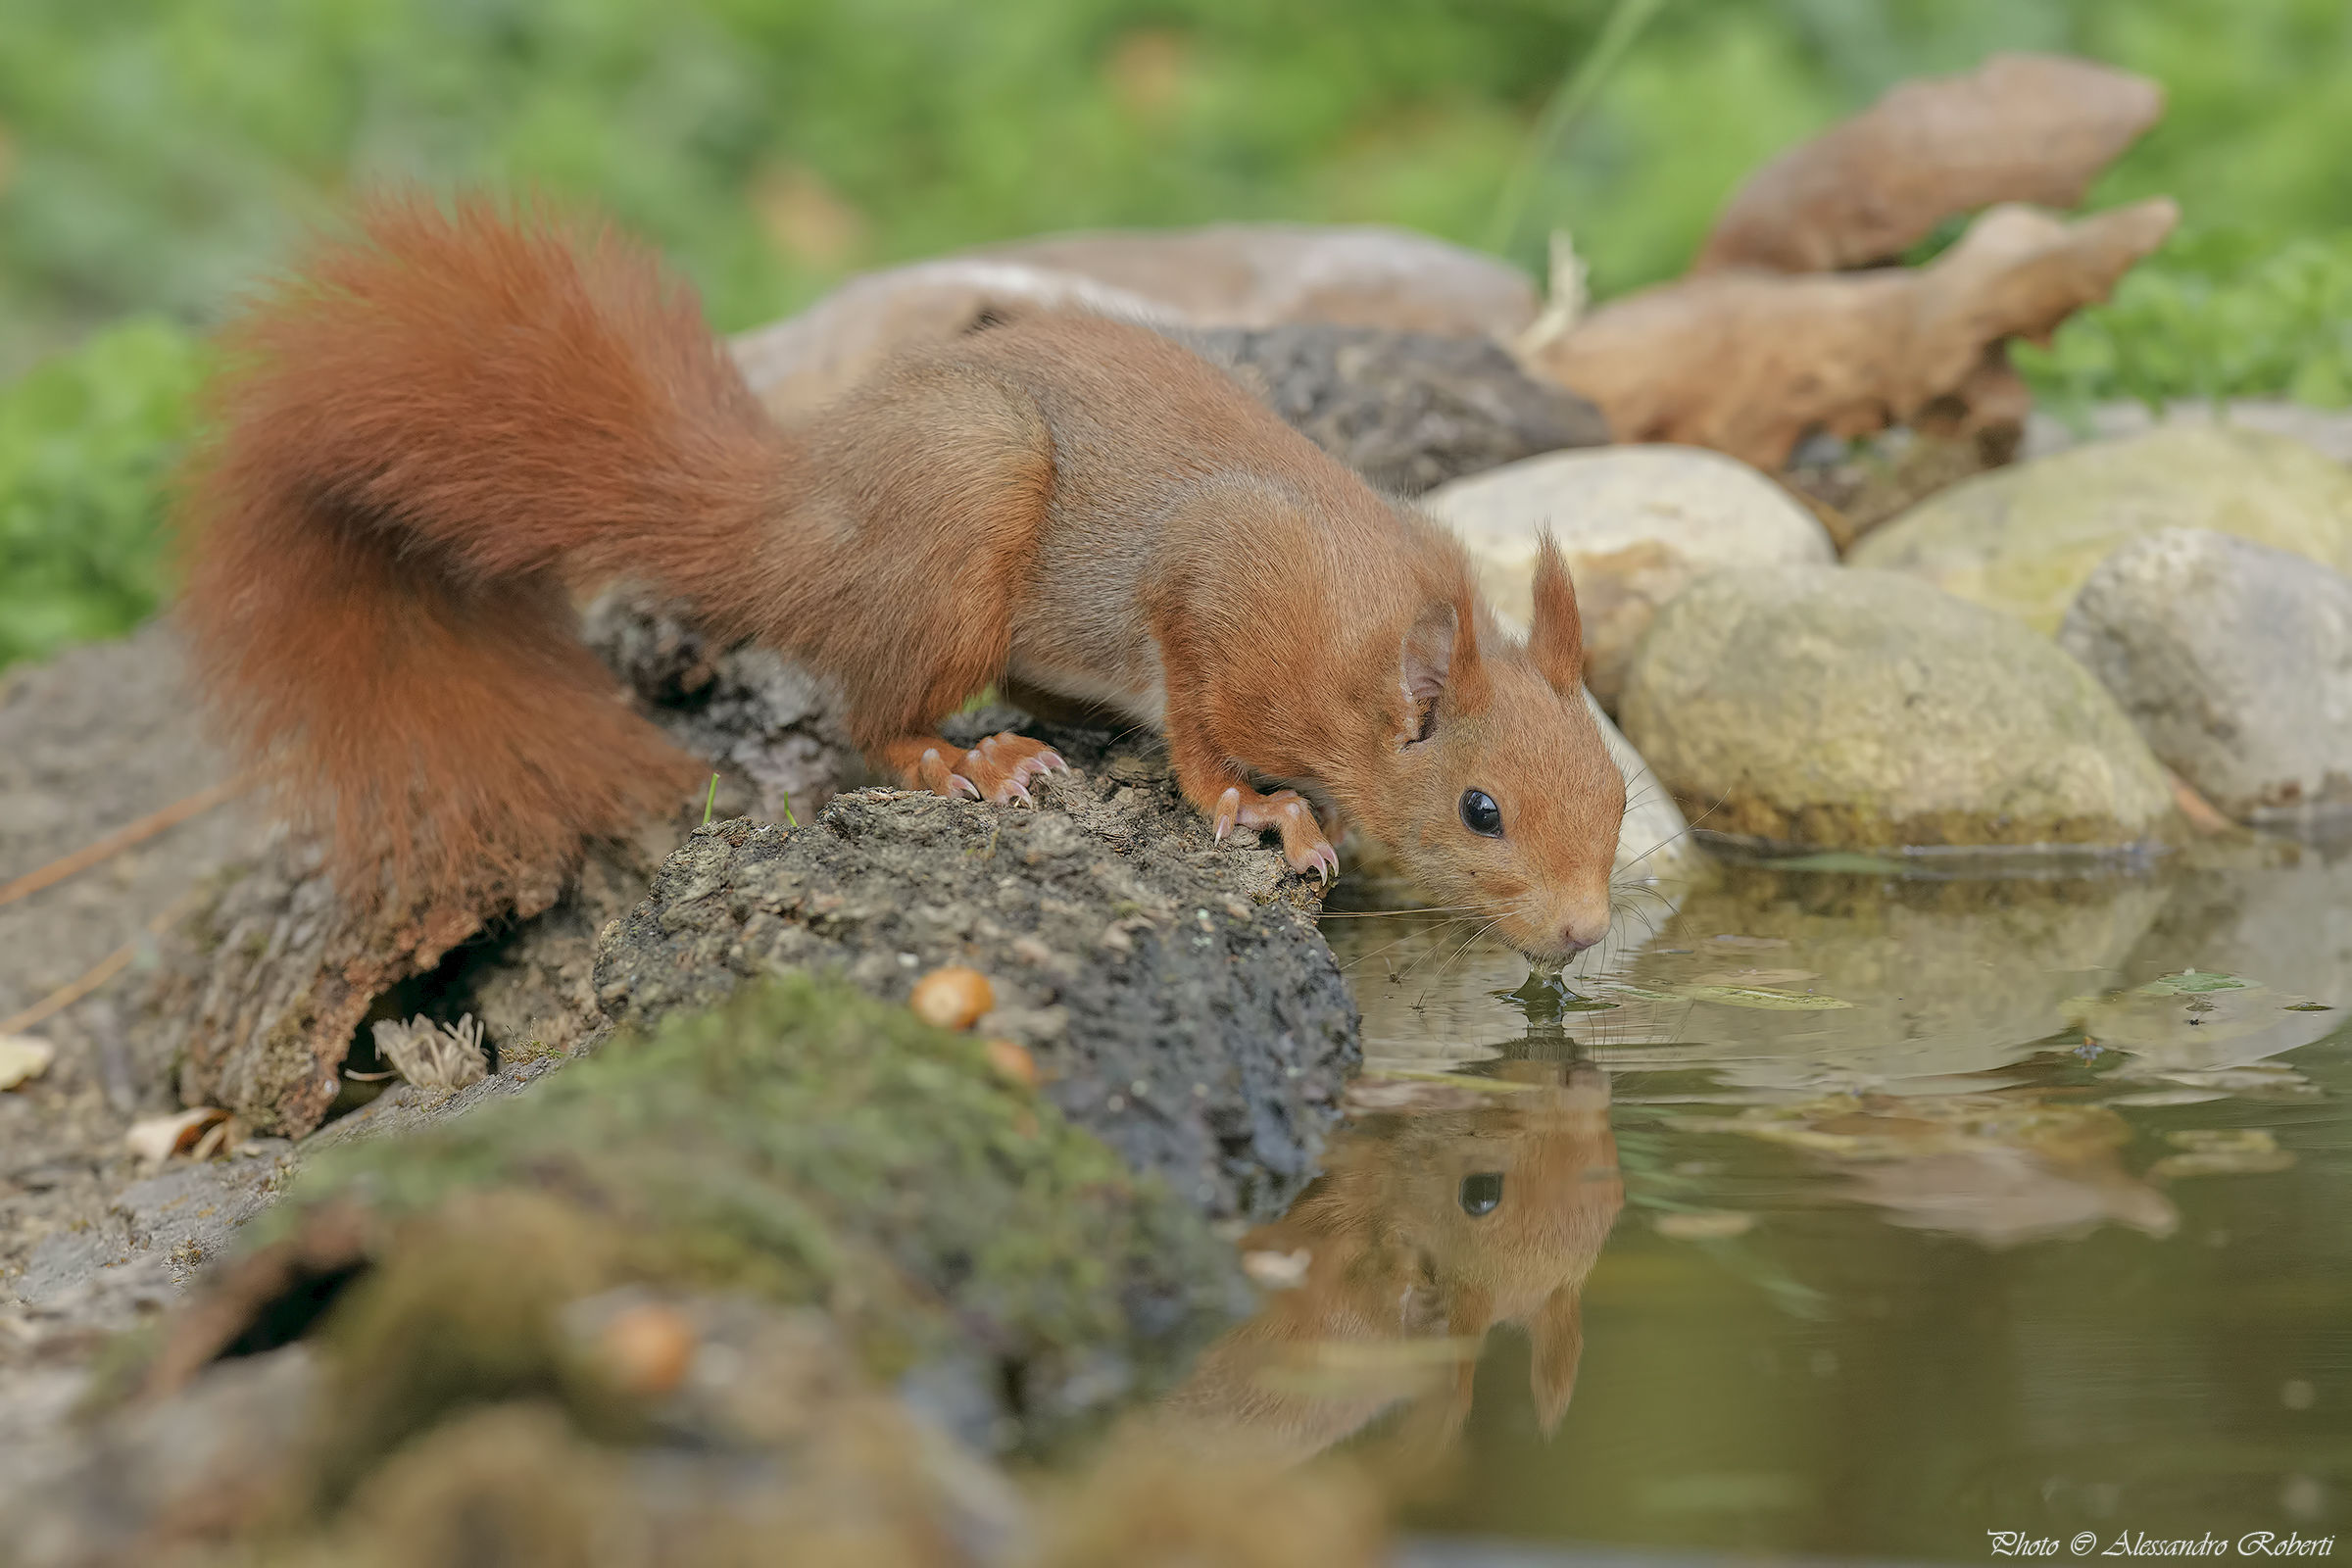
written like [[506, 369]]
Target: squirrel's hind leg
[[997, 770]]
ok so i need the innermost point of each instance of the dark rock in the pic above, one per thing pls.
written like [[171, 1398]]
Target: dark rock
[[1174, 992], [743, 708], [1408, 410]]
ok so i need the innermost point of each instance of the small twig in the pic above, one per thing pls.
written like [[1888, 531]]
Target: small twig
[[105, 969], [123, 838]]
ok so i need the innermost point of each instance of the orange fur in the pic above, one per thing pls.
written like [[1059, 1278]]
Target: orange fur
[[447, 426], [392, 515], [1394, 1257]]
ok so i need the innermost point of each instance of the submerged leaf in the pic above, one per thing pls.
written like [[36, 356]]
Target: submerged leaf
[[1840, 860], [1639, 992], [1760, 997], [2194, 983]]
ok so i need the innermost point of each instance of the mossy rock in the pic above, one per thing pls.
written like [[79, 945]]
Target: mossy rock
[[802, 1144], [2022, 540]]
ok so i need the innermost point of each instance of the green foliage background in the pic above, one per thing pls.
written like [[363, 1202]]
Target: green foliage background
[[158, 155]]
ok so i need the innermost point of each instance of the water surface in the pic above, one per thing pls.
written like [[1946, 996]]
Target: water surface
[[1850, 1210]]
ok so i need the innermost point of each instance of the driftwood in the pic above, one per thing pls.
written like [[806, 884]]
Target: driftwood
[[1768, 336], [1748, 361], [259, 995], [2033, 128], [1230, 274]]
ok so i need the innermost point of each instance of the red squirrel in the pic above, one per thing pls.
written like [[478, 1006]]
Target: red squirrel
[[447, 422]]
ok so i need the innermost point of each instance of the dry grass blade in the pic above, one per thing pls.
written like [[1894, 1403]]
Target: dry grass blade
[[123, 838]]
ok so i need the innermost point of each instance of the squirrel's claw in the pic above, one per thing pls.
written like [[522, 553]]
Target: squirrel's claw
[[1229, 811], [1002, 766], [1304, 844]]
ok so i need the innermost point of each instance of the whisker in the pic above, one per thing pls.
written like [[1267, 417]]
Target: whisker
[[1386, 947], [1455, 958], [1379, 914]]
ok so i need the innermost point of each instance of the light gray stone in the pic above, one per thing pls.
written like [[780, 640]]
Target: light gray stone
[[2022, 540], [2235, 660], [1637, 525], [1847, 709]]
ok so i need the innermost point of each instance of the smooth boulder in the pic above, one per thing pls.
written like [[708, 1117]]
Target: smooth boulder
[[2024, 540], [2235, 661], [1638, 524], [1852, 709]]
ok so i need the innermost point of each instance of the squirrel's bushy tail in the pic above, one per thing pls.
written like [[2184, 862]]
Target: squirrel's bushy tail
[[422, 443]]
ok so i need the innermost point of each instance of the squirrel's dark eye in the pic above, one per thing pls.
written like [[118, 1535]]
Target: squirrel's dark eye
[[1481, 1193], [1480, 813]]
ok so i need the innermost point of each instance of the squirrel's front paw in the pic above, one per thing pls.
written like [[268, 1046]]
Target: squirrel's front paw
[[997, 770], [1302, 842]]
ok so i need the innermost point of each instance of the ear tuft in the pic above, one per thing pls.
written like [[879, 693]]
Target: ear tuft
[[1556, 642], [1556, 1341]]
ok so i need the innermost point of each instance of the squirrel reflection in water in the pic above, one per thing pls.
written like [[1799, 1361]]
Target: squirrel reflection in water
[[1426, 1230]]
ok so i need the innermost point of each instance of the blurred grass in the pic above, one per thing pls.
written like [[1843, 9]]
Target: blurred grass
[[157, 155], [85, 444]]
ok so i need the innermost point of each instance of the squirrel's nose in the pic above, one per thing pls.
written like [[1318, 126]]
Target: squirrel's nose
[[1585, 925]]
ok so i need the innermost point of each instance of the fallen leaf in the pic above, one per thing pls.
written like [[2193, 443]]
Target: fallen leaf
[[157, 1139], [22, 1058]]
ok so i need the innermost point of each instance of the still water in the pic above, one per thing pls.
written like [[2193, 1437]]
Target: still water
[[1849, 1210]]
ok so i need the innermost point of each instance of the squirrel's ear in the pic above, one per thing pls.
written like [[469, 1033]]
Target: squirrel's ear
[[1439, 658], [1556, 1341], [1556, 642]]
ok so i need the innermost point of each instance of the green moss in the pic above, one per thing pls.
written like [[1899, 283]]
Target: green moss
[[803, 1144]]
